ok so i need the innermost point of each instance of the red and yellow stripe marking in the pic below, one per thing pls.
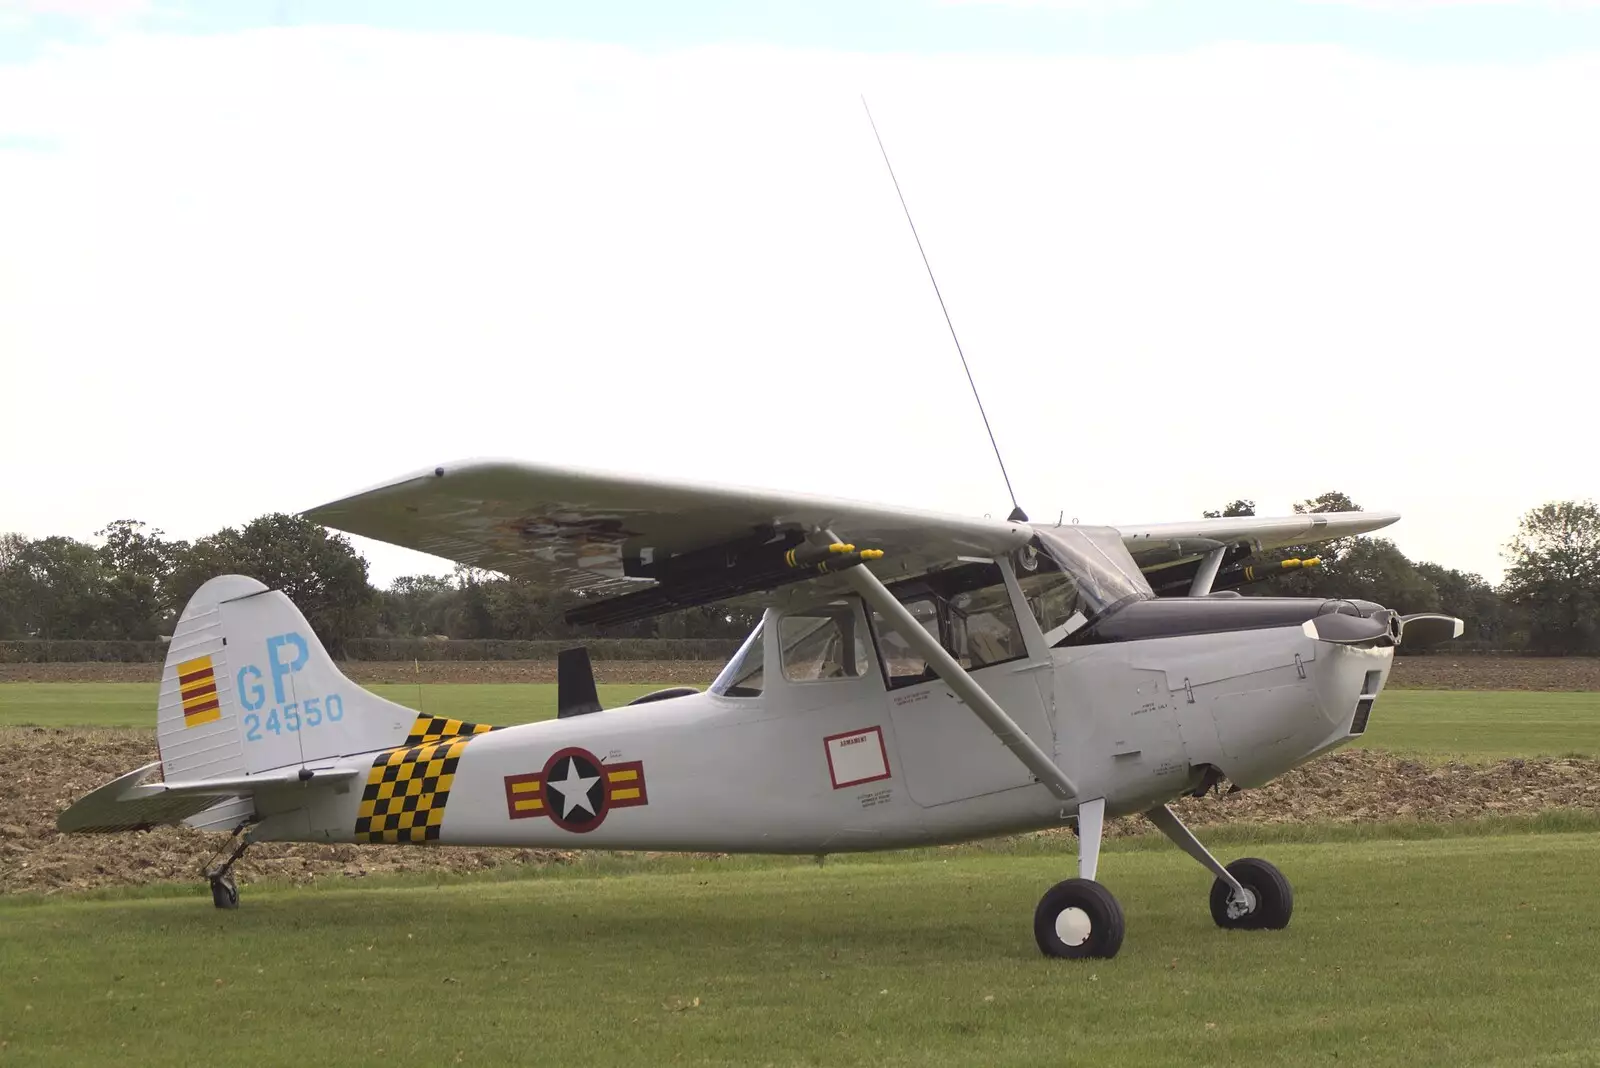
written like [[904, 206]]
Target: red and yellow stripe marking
[[524, 796], [197, 686], [627, 784]]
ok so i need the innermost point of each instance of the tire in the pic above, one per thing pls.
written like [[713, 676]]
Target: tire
[[1274, 898], [1078, 919], [224, 892]]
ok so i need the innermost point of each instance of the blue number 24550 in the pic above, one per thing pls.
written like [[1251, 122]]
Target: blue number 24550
[[313, 712]]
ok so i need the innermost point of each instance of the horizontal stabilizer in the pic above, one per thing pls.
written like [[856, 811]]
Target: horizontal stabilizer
[[130, 802]]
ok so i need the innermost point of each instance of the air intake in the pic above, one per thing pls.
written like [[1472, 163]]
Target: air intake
[[1369, 694]]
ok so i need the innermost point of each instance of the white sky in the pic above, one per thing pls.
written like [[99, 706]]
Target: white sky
[[254, 272]]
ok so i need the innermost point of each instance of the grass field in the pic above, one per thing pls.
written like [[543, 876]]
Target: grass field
[[1399, 953], [1434, 724], [1413, 943]]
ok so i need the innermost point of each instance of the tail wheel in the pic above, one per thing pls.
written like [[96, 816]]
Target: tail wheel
[[1269, 900], [1078, 918], [224, 891]]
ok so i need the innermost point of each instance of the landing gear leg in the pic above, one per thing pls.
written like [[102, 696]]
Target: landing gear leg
[[1249, 894], [224, 890], [1079, 918]]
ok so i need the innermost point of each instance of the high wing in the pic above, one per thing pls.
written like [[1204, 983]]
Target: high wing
[[1157, 545], [661, 544], [604, 535]]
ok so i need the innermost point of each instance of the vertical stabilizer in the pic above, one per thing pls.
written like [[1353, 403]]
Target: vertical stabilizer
[[248, 688]]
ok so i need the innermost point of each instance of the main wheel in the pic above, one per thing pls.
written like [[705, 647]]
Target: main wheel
[[1078, 918], [1269, 899]]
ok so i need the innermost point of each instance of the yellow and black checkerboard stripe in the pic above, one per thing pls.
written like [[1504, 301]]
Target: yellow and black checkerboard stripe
[[407, 787], [197, 686], [406, 792], [434, 728]]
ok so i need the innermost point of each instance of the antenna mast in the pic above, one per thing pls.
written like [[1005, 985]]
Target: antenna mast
[[1017, 514]]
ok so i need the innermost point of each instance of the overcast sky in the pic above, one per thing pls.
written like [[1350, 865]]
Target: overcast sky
[[257, 256]]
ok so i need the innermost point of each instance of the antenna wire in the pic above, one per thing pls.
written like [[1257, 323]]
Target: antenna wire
[[1017, 514]]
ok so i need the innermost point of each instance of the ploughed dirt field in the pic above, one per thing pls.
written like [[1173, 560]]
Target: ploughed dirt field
[[1410, 672], [42, 770]]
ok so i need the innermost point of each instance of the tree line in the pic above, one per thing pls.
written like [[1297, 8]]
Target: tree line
[[1546, 604], [131, 582]]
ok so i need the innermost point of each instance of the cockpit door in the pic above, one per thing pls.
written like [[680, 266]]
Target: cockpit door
[[946, 752]]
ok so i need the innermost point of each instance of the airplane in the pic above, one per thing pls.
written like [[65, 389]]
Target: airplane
[[915, 679]]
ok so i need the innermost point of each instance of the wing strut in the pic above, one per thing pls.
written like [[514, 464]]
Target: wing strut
[[994, 717]]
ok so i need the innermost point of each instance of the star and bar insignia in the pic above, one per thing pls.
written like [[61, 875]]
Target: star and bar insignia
[[576, 790], [408, 787], [197, 686]]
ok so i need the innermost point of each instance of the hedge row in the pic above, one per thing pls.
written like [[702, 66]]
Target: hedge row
[[131, 652]]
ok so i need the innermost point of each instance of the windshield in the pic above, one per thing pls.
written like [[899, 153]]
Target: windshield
[[742, 677], [1101, 568]]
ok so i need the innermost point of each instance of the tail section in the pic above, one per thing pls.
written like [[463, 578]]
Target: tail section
[[247, 688], [251, 704]]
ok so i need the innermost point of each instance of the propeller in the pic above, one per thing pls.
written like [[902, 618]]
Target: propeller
[[1383, 626], [1429, 628], [1341, 628]]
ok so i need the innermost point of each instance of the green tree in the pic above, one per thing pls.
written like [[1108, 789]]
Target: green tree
[[54, 588], [1236, 508], [139, 564], [1479, 606], [415, 606], [318, 570], [1555, 576], [1373, 569]]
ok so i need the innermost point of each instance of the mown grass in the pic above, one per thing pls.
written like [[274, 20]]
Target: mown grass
[[1401, 952], [1429, 723], [1485, 726]]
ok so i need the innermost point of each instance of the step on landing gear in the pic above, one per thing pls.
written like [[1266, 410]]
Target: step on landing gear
[[1079, 918], [224, 889]]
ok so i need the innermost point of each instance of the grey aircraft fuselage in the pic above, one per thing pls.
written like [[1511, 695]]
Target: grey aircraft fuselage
[[848, 764]]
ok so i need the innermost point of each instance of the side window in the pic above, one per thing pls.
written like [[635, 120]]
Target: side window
[[822, 643], [743, 677], [967, 608], [903, 665], [983, 627]]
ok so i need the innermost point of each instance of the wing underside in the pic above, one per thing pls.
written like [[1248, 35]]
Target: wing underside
[[606, 536], [630, 547]]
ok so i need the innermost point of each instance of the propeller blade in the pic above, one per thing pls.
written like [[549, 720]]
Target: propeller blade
[[1342, 629], [1429, 628]]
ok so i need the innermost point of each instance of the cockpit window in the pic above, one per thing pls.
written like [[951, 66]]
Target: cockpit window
[[967, 608], [822, 643], [743, 675]]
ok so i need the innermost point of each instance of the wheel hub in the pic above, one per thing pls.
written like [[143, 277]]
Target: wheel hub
[[1241, 906], [1073, 926]]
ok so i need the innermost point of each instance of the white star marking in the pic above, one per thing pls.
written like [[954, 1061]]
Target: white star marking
[[574, 789]]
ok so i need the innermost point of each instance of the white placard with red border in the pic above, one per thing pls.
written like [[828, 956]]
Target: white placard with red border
[[856, 757]]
